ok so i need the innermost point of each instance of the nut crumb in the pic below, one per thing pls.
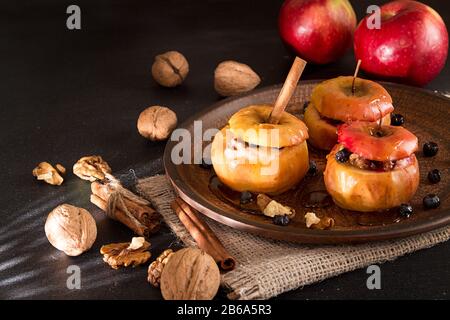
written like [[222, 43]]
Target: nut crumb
[[45, 171], [126, 253], [271, 208], [91, 168], [60, 168], [314, 222]]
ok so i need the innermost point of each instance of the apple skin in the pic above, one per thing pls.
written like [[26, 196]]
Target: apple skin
[[410, 47], [319, 31]]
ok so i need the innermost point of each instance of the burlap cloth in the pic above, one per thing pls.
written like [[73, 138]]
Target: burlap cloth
[[267, 268]]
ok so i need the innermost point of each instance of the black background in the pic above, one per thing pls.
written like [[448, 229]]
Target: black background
[[65, 94]]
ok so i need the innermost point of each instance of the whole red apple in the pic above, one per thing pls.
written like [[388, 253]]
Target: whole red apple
[[319, 31], [410, 46]]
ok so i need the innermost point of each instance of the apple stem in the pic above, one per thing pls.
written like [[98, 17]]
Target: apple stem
[[355, 75], [287, 90]]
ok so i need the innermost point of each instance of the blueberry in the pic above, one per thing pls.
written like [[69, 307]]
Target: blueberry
[[431, 201], [206, 164], [281, 220], [430, 149], [246, 197], [405, 210], [312, 171], [397, 119], [434, 176], [343, 155]]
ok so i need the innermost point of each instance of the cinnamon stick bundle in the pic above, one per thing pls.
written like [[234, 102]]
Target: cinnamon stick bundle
[[203, 235], [125, 207]]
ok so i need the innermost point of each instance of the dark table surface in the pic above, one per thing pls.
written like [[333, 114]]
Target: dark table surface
[[66, 94]]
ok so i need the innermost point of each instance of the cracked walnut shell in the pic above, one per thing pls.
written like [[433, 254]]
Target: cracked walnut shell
[[156, 267], [71, 229], [91, 168], [126, 253], [156, 123], [190, 274], [45, 171], [170, 69]]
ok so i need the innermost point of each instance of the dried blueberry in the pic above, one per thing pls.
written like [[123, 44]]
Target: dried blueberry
[[246, 197], [397, 119], [343, 155], [281, 220], [405, 210], [430, 149], [431, 201], [434, 176], [312, 171]]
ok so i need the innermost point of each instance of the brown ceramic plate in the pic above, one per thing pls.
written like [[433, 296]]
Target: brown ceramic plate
[[427, 115]]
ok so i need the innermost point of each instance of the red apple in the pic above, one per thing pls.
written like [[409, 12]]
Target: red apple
[[410, 46], [319, 31]]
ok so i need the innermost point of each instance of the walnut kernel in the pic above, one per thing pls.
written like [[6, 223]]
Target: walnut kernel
[[71, 229], [314, 222], [45, 171], [271, 208], [170, 69], [156, 123], [60, 168], [91, 168], [232, 78], [156, 267], [126, 253]]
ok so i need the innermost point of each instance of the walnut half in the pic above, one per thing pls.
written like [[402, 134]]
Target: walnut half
[[91, 168], [126, 253], [45, 171]]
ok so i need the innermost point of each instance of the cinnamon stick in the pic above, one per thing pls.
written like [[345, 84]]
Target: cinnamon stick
[[135, 225], [145, 214], [203, 235], [287, 90]]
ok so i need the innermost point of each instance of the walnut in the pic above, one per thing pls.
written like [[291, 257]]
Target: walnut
[[71, 229], [91, 168], [45, 171], [156, 267], [126, 253], [273, 208], [156, 123], [232, 78], [170, 69], [190, 274], [314, 222]]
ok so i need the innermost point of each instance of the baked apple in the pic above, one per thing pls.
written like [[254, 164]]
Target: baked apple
[[372, 168], [250, 154], [336, 101]]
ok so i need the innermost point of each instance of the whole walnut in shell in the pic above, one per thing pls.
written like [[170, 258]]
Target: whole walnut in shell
[[71, 229], [232, 78], [156, 123], [190, 274], [170, 69]]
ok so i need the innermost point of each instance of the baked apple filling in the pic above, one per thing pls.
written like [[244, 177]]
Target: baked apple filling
[[366, 164]]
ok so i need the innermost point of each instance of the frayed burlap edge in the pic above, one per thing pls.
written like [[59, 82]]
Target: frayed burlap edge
[[267, 268]]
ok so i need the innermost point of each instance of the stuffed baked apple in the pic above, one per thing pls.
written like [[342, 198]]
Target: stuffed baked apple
[[252, 155], [373, 167], [341, 100]]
